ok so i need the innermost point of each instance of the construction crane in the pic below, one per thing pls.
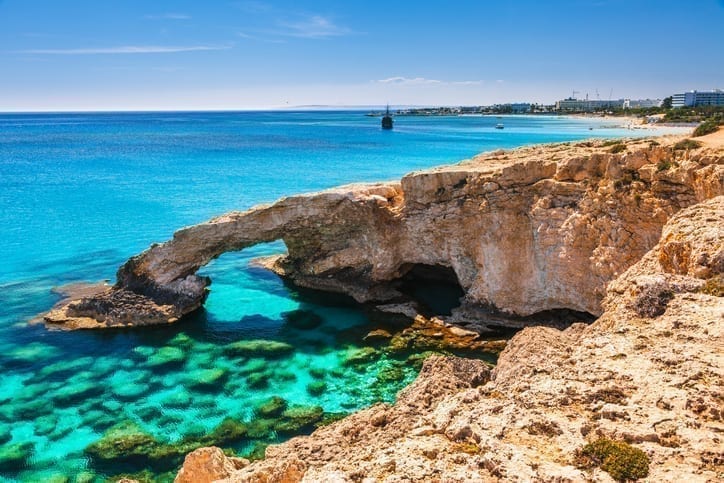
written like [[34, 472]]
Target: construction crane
[[573, 96], [598, 96]]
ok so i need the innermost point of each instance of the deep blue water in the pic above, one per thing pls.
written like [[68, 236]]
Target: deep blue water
[[80, 193]]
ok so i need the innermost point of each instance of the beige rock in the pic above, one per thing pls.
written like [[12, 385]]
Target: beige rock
[[205, 465], [652, 381], [530, 230]]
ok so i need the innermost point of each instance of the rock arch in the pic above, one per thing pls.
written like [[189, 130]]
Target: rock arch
[[526, 231]]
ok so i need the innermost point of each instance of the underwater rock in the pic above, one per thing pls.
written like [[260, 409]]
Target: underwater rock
[[261, 428], [166, 356], [259, 380], [59, 369], [144, 351], [228, 431], [284, 376], [33, 352], [123, 441], [302, 319], [73, 393], [85, 477], [253, 366], [317, 373], [181, 340], [127, 444], [129, 391], [149, 413], [299, 418], [204, 379], [5, 434], [100, 420], [359, 357], [389, 375], [257, 451], [14, 456], [316, 388], [416, 360], [269, 349], [30, 410], [273, 407], [177, 400], [56, 478]]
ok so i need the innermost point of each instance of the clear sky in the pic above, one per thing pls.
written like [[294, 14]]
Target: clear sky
[[227, 54]]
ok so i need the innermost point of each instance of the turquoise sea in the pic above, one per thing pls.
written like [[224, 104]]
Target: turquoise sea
[[80, 193]]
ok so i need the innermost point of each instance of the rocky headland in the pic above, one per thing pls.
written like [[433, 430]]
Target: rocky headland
[[519, 233], [629, 232], [646, 377]]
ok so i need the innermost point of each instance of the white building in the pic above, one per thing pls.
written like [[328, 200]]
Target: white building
[[698, 98], [641, 103], [587, 105]]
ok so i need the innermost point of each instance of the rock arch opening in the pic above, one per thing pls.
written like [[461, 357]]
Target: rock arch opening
[[435, 288]]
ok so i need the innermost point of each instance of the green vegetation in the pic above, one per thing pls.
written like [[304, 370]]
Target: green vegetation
[[618, 148], [695, 114], [706, 127], [611, 142], [714, 286], [620, 460], [667, 103], [686, 144], [469, 448], [663, 165], [627, 178]]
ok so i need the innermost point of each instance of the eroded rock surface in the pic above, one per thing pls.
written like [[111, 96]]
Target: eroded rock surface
[[205, 465], [653, 381], [524, 231]]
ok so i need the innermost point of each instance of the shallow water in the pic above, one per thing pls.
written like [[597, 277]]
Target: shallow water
[[79, 193]]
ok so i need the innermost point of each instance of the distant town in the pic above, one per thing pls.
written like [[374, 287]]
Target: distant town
[[573, 105]]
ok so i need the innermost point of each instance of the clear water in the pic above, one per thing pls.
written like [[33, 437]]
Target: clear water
[[80, 193]]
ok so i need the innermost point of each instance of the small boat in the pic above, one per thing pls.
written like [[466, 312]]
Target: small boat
[[387, 119], [499, 126]]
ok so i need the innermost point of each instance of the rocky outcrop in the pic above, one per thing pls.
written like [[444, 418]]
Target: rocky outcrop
[[205, 465], [523, 231], [648, 373]]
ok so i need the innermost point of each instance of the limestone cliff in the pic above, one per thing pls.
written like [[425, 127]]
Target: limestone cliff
[[523, 231], [648, 372]]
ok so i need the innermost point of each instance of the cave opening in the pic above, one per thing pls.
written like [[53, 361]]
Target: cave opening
[[435, 288]]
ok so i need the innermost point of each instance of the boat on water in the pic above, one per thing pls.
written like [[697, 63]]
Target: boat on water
[[499, 126], [387, 119]]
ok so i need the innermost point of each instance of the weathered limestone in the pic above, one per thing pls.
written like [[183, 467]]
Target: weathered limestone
[[529, 230], [651, 381], [205, 465]]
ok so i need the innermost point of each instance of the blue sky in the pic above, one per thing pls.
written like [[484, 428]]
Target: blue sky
[[228, 54]]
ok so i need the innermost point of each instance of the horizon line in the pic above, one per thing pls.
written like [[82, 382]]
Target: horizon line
[[301, 107]]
